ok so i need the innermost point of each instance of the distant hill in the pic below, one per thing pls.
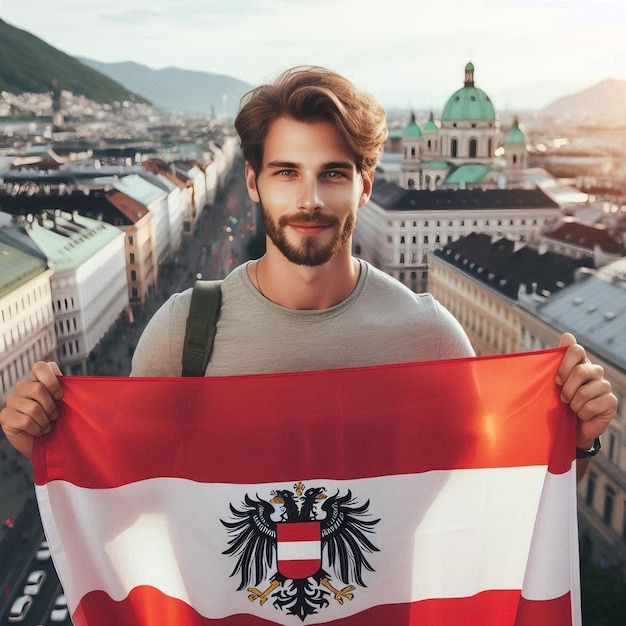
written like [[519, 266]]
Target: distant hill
[[173, 89], [601, 102], [28, 64]]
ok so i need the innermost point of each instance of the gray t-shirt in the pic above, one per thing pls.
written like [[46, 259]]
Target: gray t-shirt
[[381, 322]]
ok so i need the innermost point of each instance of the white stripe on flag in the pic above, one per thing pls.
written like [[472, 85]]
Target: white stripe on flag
[[298, 550], [442, 534]]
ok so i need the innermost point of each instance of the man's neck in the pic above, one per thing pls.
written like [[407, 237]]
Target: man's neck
[[301, 287]]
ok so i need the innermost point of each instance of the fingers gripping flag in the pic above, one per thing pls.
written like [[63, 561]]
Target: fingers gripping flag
[[433, 493]]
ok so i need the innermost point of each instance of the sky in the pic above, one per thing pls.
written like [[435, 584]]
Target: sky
[[408, 53]]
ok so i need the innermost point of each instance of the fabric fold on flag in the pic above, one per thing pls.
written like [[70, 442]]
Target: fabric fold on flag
[[426, 493]]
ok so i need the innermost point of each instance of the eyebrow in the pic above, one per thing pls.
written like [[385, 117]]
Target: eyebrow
[[332, 165]]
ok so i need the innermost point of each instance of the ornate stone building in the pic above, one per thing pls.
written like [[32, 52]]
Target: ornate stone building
[[465, 149]]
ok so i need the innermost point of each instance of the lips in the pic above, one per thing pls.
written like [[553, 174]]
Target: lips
[[310, 229]]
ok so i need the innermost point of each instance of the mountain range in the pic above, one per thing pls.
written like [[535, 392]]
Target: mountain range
[[28, 64], [173, 89], [604, 100]]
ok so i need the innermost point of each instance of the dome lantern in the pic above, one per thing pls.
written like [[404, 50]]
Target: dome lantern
[[469, 75]]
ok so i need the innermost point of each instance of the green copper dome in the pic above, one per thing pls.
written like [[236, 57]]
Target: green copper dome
[[412, 129], [515, 135], [430, 127], [470, 102]]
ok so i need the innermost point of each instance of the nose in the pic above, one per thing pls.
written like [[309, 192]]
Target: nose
[[310, 198]]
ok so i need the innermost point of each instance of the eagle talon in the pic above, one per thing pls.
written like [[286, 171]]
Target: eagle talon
[[262, 595], [339, 594]]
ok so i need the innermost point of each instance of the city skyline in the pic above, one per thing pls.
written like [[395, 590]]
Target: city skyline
[[526, 52]]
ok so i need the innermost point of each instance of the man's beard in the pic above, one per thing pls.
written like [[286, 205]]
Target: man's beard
[[308, 251]]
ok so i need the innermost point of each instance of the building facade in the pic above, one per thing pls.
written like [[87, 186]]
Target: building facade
[[27, 330], [398, 228]]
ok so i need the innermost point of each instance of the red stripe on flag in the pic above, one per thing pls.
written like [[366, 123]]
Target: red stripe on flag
[[556, 612], [500, 411], [297, 569], [299, 531], [146, 605]]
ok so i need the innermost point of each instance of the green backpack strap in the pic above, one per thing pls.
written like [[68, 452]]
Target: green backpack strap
[[206, 299]]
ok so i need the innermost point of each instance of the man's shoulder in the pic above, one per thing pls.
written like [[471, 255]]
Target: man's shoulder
[[377, 279]]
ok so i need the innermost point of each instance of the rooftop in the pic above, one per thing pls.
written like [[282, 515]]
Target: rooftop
[[392, 197]]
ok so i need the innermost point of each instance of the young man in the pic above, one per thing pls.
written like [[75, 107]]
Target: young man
[[311, 141]]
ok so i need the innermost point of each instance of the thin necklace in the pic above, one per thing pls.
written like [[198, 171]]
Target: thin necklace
[[256, 277]]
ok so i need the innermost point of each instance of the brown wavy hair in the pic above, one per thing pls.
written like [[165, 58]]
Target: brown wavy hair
[[311, 93]]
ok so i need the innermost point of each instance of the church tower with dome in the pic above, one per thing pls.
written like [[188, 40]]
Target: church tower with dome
[[460, 152]]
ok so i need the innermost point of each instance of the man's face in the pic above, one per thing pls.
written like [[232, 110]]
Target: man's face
[[309, 190]]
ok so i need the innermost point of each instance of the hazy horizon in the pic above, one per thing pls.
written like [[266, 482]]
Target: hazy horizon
[[407, 53]]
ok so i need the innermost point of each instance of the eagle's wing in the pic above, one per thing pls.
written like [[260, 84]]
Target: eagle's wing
[[253, 540], [344, 535]]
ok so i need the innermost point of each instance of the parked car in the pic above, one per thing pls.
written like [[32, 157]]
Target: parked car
[[43, 552], [60, 612], [20, 608], [34, 582]]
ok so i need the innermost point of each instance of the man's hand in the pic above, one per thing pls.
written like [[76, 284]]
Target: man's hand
[[585, 389], [31, 409]]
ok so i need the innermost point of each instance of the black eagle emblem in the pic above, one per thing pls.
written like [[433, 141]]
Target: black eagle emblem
[[287, 540]]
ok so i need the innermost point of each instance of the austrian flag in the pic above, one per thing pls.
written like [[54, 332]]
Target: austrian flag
[[437, 494]]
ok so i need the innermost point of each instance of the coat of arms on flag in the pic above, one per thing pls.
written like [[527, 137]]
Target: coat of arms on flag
[[296, 529]]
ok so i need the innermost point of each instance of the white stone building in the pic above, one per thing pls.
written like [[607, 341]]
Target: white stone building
[[26, 318], [398, 228], [88, 285]]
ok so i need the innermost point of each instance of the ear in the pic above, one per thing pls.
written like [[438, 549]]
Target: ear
[[251, 183], [368, 183]]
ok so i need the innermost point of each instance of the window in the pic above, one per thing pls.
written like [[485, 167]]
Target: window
[[132, 258], [591, 488], [130, 240], [609, 503], [612, 446], [473, 148], [453, 147], [133, 275]]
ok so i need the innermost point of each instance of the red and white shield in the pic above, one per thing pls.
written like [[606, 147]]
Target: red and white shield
[[299, 549]]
